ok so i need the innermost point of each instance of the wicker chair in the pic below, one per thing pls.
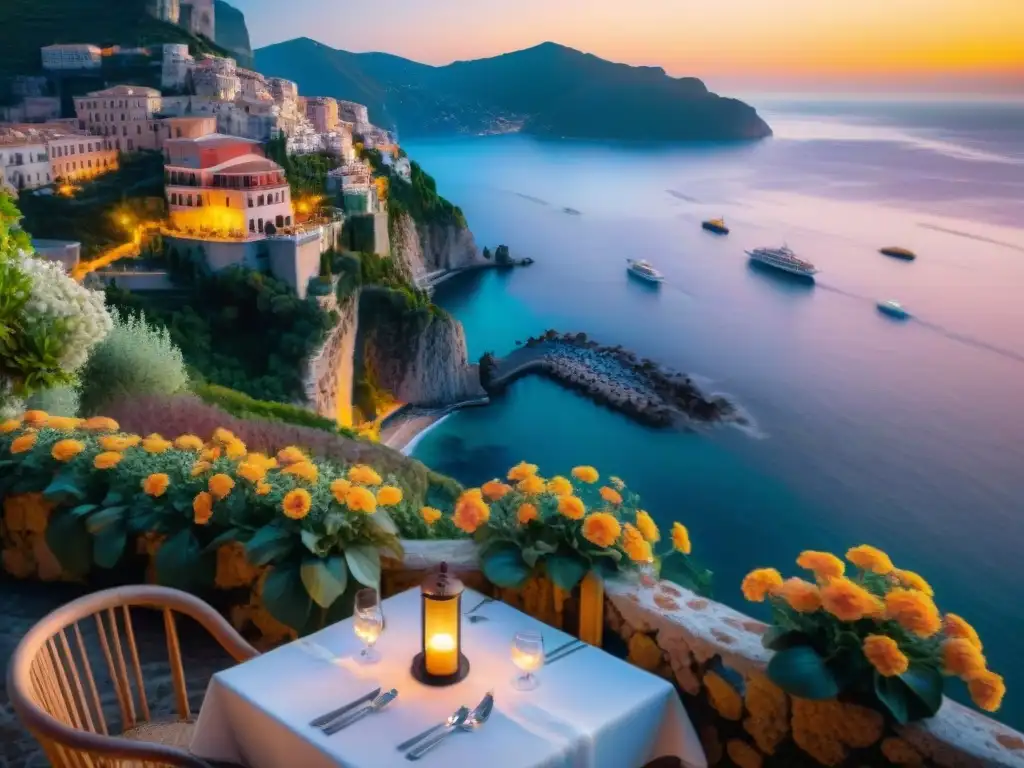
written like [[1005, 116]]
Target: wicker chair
[[53, 687]]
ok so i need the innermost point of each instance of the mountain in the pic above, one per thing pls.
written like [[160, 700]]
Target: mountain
[[548, 90], [231, 33]]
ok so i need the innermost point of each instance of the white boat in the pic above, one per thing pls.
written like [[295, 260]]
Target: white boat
[[644, 270], [783, 258], [893, 309]]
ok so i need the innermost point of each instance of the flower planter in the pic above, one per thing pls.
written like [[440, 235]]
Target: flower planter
[[579, 612]]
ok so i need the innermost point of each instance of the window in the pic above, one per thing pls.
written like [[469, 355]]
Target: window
[[117, 143], [260, 201], [250, 202], [260, 225], [177, 132], [252, 225], [199, 201], [174, 198], [138, 129], [72, 149], [130, 144], [280, 221], [227, 202], [124, 130], [189, 203], [287, 221]]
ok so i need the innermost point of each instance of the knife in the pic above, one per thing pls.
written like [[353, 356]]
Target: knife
[[375, 706], [334, 714]]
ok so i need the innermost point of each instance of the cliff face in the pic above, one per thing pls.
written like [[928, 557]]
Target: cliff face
[[231, 32], [328, 376], [429, 247]]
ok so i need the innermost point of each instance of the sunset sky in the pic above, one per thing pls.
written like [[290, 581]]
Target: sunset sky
[[957, 46]]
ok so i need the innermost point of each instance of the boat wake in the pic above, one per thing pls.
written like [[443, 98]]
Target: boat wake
[[742, 419], [970, 236], [970, 341]]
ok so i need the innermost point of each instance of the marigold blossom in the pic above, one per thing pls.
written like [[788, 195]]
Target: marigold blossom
[[494, 489], [471, 511], [526, 513], [297, 503], [360, 473], [987, 690], [155, 444], [430, 515], [848, 601], [521, 471], [760, 583], [202, 508], [8, 426], [586, 474], [304, 470], [36, 418], [389, 495], [825, 565], [681, 538], [571, 507], [118, 442], [885, 655], [531, 485], [601, 529], [646, 525], [868, 558], [800, 595], [913, 610], [63, 423], [156, 484], [101, 424], [610, 495], [251, 472], [636, 547], [107, 459], [560, 486], [360, 499], [339, 488], [961, 658], [220, 485], [290, 455], [24, 443], [957, 626], [66, 450], [188, 443], [913, 580]]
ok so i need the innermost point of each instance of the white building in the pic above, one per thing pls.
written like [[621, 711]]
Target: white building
[[80, 156], [354, 113], [125, 113], [215, 77], [254, 86], [24, 160], [286, 95], [176, 63], [75, 56]]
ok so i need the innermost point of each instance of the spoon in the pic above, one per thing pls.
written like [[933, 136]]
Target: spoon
[[456, 718], [475, 719]]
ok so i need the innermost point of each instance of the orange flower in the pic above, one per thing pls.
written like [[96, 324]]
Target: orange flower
[[913, 580], [645, 524], [210, 454], [63, 423], [521, 471], [360, 499], [760, 583], [340, 488], [202, 508], [913, 610], [560, 486], [101, 424], [251, 472], [956, 626], [304, 470], [360, 473], [8, 426], [637, 548], [220, 485], [825, 565], [987, 690], [36, 418], [800, 595], [494, 490], [471, 511], [885, 655], [297, 503], [263, 488], [585, 474], [389, 495], [155, 444], [290, 455], [430, 515], [223, 436], [961, 658], [200, 467], [848, 601], [526, 514], [601, 529], [118, 442], [107, 459], [681, 538], [156, 484], [870, 559], [261, 460], [188, 443], [23, 443], [235, 449], [571, 507], [531, 485], [610, 495], [66, 450]]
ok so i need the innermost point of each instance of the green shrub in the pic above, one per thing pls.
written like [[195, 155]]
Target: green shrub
[[57, 401], [134, 359], [241, 405]]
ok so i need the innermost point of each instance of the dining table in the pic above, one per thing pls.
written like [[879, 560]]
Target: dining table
[[590, 709]]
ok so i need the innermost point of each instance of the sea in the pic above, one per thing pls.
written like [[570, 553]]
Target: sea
[[907, 435]]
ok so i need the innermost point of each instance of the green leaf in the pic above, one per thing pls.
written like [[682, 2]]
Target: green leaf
[[285, 596], [925, 685], [364, 562], [314, 542], [181, 563], [779, 638], [678, 568], [271, 542], [112, 498], [892, 692], [325, 580], [383, 520], [84, 509], [108, 545], [802, 672], [62, 487], [104, 518], [505, 567], [530, 555], [70, 543], [231, 534], [566, 571]]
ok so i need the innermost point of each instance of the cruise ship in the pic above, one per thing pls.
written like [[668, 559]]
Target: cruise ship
[[783, 258], [644, 271]]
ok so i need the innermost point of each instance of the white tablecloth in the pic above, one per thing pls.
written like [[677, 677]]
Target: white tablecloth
[[591, 709]]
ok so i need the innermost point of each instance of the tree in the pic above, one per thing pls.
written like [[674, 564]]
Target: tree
[[487, 253]]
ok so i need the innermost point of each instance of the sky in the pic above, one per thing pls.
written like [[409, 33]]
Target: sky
[[839, 46]]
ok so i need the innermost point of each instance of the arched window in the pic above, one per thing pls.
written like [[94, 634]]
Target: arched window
[[252, 225], [280, 220]]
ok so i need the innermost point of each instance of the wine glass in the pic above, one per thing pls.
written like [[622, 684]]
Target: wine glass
[[528, 655], [368, 622]]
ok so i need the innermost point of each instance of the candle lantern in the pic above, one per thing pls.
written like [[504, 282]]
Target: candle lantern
[[440, 660]]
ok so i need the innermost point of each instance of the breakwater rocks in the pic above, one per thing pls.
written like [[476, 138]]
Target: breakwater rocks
[[613, 376]]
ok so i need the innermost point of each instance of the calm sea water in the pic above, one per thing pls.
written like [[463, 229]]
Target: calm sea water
[[908, 436]]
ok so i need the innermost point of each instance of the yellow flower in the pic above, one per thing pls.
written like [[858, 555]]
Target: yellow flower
[[760, 583], [210, 454], [340, 488], [223, 436], [65, 450], [290, 455], [202, 508], [637, 548], [471, 511], [868, 558], [430, 515], [521, 471], [601, 529], [987, 690], [118, 442], [251, 472], [200, 467], [360, 473], [494, 489], [36, 418], [9, 426], [297, 503], [800, 595], [681, 538], [101, 424], [263, 488], [571, 507], [156, 484], [825, 565], [914, 611], [913, 580], [188, 443], [885, 655], [360, 499], [107, 459], [23, 443], [155, 444], [304, 470], [618, 482], [220, 485], [848, 601], [63, 423], [261, 460], [961, 658], [526, 513], [585, 474], [531, 485], [389, 495], [610, 495], [235, 449], [560, 486], [646, 525], [956, 626]]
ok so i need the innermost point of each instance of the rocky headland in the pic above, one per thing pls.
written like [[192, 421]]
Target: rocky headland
[[612, 376]]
